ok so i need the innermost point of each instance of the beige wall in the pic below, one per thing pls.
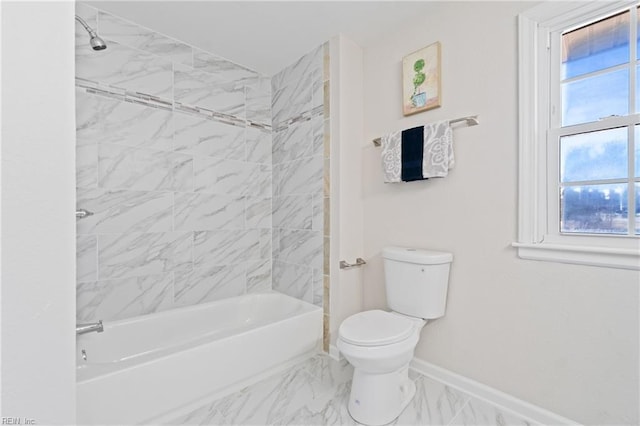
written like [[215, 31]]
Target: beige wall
[[564, 337], [346, 179]]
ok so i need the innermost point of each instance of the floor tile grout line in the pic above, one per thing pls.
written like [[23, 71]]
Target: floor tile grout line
[[459, 413]]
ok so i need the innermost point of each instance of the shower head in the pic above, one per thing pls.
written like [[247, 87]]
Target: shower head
[[96, 42]]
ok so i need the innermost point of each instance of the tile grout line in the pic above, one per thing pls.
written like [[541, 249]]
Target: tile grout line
[[459, 413]]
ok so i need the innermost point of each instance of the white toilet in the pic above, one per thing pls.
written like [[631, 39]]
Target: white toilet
[[380, 344]]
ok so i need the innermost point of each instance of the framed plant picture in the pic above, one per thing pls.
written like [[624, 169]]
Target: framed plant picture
[[421, 80]]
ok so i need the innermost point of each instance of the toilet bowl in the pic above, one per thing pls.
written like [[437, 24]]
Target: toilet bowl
[[381, 344]]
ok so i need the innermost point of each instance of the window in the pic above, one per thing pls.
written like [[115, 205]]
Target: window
[[579, 190], [596, 173]]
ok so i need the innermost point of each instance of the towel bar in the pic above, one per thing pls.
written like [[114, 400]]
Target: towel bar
[[471, 120]]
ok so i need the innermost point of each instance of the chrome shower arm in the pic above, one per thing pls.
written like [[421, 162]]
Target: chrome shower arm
[[85, 25]]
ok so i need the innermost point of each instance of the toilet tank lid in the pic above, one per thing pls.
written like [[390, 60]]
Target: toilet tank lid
[[420, 256]]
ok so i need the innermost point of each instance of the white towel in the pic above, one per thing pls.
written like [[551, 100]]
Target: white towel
[[392, 157], [438, 150]]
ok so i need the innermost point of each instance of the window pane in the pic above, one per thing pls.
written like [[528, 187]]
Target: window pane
[[595, 209], [637, 150], [596, 46], [596, 97], [594, 156], [637, 90], [638, 33], [637, 208]]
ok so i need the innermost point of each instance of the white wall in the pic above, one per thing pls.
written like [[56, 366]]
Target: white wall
[[346, 179], [38, 201], [564, 337]]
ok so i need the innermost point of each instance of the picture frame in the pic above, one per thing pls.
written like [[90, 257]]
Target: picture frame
[[421, 88]]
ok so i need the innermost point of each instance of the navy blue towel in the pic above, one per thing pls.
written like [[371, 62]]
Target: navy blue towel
[[412, 153]]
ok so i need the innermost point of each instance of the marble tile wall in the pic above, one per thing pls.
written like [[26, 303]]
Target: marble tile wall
[[174, 158], [300, 172]]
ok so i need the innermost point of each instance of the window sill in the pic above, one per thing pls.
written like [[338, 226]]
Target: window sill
[[581, 255]]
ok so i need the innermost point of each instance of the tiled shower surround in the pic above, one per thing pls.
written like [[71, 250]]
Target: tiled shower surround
[[298, 181], [192, 201]]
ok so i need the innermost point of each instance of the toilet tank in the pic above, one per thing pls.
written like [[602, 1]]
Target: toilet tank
[[416, 281]]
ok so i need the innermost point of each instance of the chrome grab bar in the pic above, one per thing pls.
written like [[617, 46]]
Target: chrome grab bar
[[90, 327], [82, 213], [359, 262]]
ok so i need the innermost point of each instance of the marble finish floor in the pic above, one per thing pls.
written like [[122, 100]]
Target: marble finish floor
[[315, 392]]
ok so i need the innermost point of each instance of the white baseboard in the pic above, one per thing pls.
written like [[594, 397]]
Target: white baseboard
[[488, 394], [335, 353]]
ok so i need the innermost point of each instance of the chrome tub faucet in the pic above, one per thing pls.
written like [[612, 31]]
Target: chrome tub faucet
[[88, 328]]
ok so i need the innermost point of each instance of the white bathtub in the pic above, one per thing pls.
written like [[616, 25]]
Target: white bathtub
[[142, 368]]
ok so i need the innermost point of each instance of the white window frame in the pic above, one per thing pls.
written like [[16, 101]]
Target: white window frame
[[537, 237]]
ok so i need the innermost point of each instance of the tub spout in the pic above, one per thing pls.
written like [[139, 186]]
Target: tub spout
[[88, 328]]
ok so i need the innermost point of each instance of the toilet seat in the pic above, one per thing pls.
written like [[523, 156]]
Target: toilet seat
[[375, 328]]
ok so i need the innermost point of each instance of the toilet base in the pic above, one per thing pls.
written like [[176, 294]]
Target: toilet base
[[378, 399]]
